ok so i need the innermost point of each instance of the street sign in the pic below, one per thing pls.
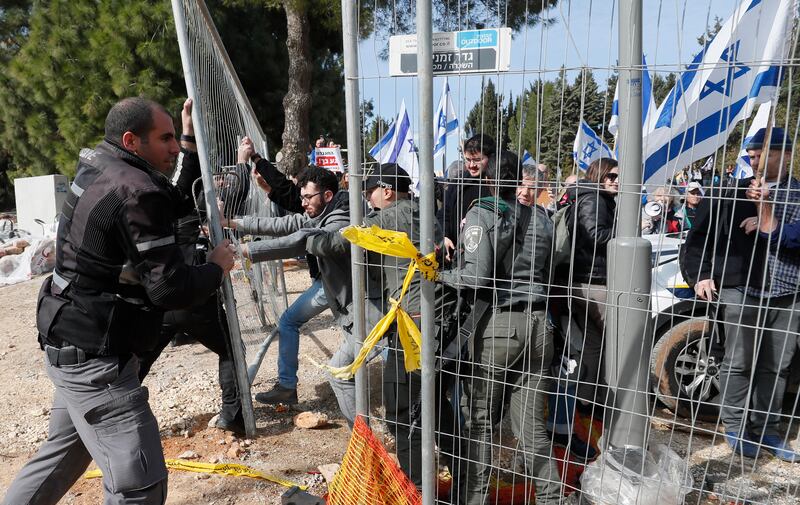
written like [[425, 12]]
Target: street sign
[[471, 51]]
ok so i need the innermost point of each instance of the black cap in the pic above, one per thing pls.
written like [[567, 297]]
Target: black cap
[[389, 175], [778, 140]]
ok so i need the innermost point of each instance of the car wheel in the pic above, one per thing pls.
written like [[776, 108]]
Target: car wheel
[[685, 374]]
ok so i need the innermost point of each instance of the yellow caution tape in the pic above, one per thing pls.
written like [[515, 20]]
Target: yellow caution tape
[[391, 243], [230, 469]]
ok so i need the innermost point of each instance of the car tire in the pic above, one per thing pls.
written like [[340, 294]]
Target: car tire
[[684, 373]]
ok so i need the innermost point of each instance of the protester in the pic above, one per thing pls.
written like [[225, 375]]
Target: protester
[[313, 301], [591, 224], [692, 196], [659, 217], [458, 197], [569, 182], [732, 254], [325, 209], [117, 267]]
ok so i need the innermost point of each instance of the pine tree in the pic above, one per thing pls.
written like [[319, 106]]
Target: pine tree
[[552, 132], [486, 116]]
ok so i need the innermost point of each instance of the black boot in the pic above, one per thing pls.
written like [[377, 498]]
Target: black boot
[[278, 394]]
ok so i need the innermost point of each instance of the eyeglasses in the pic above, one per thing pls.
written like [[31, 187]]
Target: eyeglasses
[[473, 161], [307, 198], [611, 176]]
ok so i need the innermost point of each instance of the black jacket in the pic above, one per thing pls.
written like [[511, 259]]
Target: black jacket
[[717, 248], [118, 264], [591, 219], [284, 192], [458, 198]]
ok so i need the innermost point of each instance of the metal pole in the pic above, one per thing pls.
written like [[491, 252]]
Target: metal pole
[[350, 43], [214, 226], [629, 340], [426, 212]]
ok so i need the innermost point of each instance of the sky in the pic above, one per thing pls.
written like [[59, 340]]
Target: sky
[[585, 33]]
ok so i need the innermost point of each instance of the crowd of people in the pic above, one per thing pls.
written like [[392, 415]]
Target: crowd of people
[[497, 232], [499, 246]]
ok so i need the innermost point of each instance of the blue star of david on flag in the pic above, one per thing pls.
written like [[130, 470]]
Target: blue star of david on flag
[[589, 147]]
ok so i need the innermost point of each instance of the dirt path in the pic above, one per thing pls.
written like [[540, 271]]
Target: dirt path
[[184, 395]]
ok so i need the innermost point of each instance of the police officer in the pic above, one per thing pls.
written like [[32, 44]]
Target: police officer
[[492, 236], [117, 267], [206, 322], [387, 191]]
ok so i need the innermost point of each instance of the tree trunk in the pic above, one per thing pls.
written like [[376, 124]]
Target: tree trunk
[[297, 102]]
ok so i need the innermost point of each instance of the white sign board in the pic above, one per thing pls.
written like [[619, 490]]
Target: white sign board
[[330, 158], [470, 51], [39, 198]]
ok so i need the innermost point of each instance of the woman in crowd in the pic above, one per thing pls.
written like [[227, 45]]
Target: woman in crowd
[[659, 214], [591, 224], [692, 197]]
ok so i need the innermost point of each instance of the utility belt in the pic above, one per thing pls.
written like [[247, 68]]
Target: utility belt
[[96, 321], [67, 355]]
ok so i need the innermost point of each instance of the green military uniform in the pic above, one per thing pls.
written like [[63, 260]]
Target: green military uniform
[[510, 347]]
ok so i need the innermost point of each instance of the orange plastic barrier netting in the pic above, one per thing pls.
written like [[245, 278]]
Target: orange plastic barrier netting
[[368, 474]]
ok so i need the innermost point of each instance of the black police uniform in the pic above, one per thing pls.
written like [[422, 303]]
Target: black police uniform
[[117, 268], [206, 322]]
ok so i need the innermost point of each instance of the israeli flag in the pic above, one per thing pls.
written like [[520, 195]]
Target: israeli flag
[[445, 121], [648, 104], [743, 169], [588, 147], [527, 159], [396, 144], [736, 71]]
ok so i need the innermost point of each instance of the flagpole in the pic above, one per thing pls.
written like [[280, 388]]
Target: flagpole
[[762, 160]]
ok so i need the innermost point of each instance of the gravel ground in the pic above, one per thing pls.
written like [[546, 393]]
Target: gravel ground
[[184, 396]]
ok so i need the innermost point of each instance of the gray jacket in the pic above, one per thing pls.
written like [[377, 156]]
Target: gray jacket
[[530, 272], [488, 241], [334, 266]]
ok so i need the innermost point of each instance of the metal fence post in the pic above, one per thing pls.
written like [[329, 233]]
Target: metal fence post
[[350, 44], [427, 204], [629, 342], [215, 229]]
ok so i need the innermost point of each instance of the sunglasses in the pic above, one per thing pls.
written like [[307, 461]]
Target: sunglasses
[[612, 177]]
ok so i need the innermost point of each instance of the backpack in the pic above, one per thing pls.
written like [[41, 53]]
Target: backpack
[[562, 238]]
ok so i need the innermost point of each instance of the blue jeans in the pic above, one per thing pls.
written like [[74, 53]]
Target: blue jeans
[[311, 303]]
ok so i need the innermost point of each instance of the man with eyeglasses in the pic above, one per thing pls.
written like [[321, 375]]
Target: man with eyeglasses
[[325, 209], [461, 193]]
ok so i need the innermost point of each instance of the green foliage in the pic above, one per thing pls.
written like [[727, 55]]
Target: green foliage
[[449, 16], [531, 107], [79, 58], [487, 115], [64, 63]]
